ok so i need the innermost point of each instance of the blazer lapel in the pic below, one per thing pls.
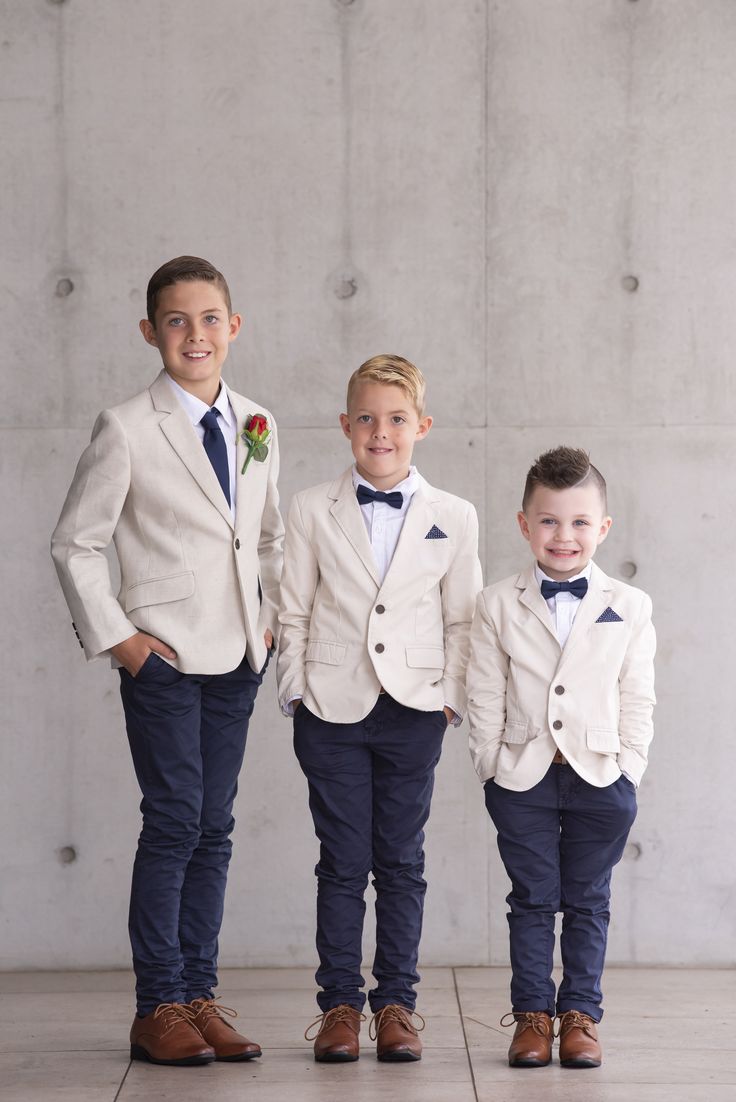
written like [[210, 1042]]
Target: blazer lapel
[[591, 606], [180, 433], [347, 514], [420, 516], [531, 597]]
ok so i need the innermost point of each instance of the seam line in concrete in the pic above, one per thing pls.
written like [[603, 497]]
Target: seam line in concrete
[[465, 1036]]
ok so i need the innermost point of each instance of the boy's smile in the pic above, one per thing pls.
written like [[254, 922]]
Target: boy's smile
[[193, 334], [564, 528], [383, 426]]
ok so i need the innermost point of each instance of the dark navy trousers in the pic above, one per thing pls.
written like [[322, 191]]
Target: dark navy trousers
[[187, 737], [370, 788], [559, 842]]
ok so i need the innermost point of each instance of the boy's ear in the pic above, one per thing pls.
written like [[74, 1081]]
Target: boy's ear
[[425, 424], [149, 333], [345, 424], [235, 322], [523, 525], [605, 528]]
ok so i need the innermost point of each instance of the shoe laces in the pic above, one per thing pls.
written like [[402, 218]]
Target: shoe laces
[[341, 1013], [172, 1014], [211, 1008], [395, 1013], [536, 1020], [574, 1019]]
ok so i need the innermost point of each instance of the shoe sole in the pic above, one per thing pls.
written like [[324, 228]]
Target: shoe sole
[[335, 1058], [138, 1053], [521, 1063], [239, 1057], [580, 1063], [398, 1057]]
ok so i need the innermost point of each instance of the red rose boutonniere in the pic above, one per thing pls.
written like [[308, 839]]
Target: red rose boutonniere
[[255, 436]]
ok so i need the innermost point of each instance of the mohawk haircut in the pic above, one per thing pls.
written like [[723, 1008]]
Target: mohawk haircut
[[560, 469]]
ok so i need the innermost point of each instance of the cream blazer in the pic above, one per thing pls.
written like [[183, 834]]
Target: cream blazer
[[592, 700], [187, 575], [345, 634]]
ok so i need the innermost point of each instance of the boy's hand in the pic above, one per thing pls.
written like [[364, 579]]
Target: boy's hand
[[133, 652], [449, 714], [268, 639]]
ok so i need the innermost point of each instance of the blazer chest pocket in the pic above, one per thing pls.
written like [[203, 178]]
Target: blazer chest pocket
[[429, 658], [603, 740], [159, 591], [320, 650], [518, 733]]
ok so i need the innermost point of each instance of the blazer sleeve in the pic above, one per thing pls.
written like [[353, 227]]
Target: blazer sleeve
[[488, 670], [298, 587], [271, 541], [459, 589], [85, 528], [637, 700]]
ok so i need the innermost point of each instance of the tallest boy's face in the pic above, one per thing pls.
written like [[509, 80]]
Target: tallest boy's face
[[193, 333]]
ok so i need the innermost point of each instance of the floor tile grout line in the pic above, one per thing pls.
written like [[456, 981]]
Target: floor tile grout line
[[122, 1081], [465, 1037]]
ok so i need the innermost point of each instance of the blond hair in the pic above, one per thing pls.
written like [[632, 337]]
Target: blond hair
[[391, 371]]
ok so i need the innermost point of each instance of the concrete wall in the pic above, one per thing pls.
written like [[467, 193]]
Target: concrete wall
[[532, 199]]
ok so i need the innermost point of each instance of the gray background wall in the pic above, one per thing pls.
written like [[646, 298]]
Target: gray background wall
[[532, 199]]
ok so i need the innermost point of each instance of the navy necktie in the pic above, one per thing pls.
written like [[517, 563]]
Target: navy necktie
[[365, 496], [578, 588], [216, 448]]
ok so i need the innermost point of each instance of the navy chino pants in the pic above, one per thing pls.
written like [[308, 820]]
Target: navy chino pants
[[370, 788], [559, 842], [187, 738]]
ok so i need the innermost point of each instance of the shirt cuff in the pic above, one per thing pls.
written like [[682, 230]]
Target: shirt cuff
[[289, 707], [457, 720], [629, 778]]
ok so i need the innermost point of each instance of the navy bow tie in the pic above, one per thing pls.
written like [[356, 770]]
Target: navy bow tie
[[578, 588], [365, 496]]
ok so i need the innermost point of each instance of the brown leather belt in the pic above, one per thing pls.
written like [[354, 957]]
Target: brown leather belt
[[558, 759]]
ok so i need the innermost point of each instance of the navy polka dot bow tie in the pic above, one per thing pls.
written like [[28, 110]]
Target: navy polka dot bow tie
[[365, 496], [578, 588]]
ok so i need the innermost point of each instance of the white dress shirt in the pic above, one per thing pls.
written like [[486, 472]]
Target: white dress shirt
[[384, 523], [195, 410], [563, 606]]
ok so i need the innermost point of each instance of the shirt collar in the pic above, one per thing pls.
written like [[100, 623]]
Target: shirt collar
[[195, 408], [407, 486], [540, 575]]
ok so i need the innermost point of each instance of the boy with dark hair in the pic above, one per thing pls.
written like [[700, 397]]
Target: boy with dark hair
[[560, 696], [198, 538]]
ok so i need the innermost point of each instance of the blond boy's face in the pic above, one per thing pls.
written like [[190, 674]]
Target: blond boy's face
[[564, 528], [193, 333], [383, 426]]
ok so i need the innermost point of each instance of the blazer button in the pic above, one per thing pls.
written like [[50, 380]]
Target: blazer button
[[559, 689], [237, 544], [557, 724], [380, 648], [380, 609]]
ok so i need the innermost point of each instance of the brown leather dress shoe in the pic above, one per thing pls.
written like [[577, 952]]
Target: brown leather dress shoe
[[337, 1038], [167, 1036], [219, 1034], [579, 1046], [397, 1039], [531, 1046]]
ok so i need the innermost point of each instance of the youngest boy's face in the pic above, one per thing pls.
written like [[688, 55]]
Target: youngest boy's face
[[382, 426], [193, 333], [564, 528]]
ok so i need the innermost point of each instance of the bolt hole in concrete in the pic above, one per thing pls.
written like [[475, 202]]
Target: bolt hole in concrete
[[628, 569], [346, 287], [64, 288], [67, 855], [630, 283], [633, 851], [57, 2]]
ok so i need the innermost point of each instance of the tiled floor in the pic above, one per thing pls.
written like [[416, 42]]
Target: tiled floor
[[668, 1035]]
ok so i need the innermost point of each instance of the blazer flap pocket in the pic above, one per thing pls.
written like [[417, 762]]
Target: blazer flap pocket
[[432, 658], [518, 733], [319, 650], [603, 740], [158, 591]]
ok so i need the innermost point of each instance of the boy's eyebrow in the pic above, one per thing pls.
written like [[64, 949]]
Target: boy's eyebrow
[[578, 516], [392, 412]]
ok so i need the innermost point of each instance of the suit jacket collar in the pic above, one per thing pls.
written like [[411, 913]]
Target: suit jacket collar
[[346, 511], [178, 430], [590, 607]]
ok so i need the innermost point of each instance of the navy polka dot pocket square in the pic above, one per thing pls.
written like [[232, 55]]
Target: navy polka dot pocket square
[[608, 616], [435, 533]]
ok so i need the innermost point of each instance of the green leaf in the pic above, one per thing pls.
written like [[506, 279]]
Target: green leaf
[[260, 452]]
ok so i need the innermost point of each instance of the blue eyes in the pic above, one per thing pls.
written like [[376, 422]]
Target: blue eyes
[[365, 419], [210, 319], [549, 521]]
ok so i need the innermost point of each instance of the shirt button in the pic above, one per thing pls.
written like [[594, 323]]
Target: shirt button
[[380, 609], [557, 724], [559, 689], [237, 544], [380, 649]]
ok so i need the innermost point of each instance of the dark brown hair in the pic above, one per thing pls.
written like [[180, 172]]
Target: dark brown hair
[[184, 269], [561, 468]]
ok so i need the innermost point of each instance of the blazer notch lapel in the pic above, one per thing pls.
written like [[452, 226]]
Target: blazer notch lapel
[[181, 435], [591, 606], [530, 596], [349, 519]]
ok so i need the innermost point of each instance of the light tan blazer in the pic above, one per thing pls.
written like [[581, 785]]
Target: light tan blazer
[[344, 634], [188, 576], [527, 697]]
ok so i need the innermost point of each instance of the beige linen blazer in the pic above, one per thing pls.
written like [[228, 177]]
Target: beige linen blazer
[[344, 634], [592, 700], [188, 576]]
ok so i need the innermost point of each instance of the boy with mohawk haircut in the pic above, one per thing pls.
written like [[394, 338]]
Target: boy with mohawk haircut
[[560, 696]]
